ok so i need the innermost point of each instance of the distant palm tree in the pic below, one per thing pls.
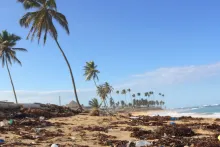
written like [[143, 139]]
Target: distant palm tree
[[91, 72], [103, 91], [146, 94], [129, 91], [123, 92], [117, 92], [139, 94], [8, 53], [41, 21], [133, 95]]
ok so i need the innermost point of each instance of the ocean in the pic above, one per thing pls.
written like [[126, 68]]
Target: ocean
[[206, 111]]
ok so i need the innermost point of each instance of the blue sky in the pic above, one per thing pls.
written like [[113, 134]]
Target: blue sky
[[165, 46]]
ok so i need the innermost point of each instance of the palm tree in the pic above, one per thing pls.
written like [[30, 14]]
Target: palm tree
[[8, 53], [103, 91], [129, 91], [124, 92], [117, 92], [41, 22], [94, 103], [91, 72], [139, 94]]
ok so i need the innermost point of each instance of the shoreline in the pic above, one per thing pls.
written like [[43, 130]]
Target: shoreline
[[174, 113]]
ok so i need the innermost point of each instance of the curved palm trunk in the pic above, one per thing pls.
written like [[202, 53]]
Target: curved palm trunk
[[71, 73], [95, 83], [12, 83]]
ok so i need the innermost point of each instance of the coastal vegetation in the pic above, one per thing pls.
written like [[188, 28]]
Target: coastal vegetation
[[8, 53]]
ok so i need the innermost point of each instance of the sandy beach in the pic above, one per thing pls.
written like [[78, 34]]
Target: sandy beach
[[94, 131]]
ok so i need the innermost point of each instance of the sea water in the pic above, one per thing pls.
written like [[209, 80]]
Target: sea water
[[206, 111]]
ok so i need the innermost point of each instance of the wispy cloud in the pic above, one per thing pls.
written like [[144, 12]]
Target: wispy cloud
[[175, 75]]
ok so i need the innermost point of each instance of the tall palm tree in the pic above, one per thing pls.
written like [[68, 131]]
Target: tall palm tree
[[8, 53], [41, 22], [91, 72], [123, 92]]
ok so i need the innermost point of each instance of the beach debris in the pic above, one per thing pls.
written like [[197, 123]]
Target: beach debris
[[2, 141], [142, 134], [175, 130], [188, 118], [142, 143], [91, 128], [54, 145], [41, 118], [172, 123], [173, 118], [130, 129], [213, 127], [219, 137], [4, 123]]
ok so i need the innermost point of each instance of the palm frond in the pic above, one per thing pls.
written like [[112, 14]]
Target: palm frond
[[28, 4], [52, 4], [61, 19], [20, 49], [7, 52], [94, 103]]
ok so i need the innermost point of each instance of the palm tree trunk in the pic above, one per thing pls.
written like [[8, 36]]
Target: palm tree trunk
[[71, 73], [12, 83], [95, 83]]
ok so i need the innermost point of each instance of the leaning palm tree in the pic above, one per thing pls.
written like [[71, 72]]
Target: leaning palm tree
[[41, 21], [8, 53], [91, 72]]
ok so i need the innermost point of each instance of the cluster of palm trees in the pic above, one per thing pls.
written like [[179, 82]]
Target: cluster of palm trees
[[103, 90], [40, 19], [148, 103], [138, 101]]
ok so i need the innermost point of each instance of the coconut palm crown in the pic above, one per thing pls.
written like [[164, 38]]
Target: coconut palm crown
[[91, 71], [41, 20]]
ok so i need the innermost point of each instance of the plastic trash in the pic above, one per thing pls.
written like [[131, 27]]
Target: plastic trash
[[173, 118], [41, 118], [143, 143], [10, 122], [37, 130], [54, 145], [2, 141], [134, 117], [4, 123], [172, 123]]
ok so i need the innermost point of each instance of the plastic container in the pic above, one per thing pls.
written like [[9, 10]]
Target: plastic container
[[142, 143]]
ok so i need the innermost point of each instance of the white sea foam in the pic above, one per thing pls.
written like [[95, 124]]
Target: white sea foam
[[177, 114]]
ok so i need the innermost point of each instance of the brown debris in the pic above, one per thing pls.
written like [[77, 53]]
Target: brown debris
[[91, 128]]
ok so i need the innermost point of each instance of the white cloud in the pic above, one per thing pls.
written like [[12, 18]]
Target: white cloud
[[176, 75]]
